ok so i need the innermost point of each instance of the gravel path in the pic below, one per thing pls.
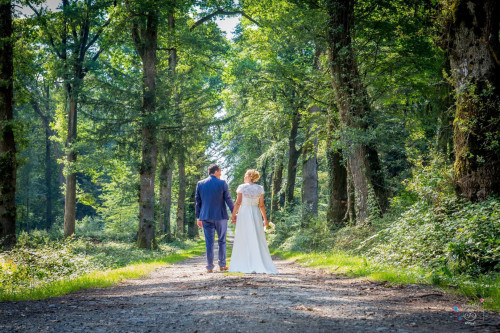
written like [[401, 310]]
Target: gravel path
[[184, 298]]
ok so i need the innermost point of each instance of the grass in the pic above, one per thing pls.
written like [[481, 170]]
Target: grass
[[487, 288], [100, 278]]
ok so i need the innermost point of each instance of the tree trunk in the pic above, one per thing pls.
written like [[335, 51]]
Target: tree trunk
[[293, 157], [351, 199], [310, 175], [475, 64], [8, 164], [48, 182], [181, 199], [265, 183], [165, 199], [70, 196], [352, 101], [167, 164], [147, 48], [337, 181], [377, 178], [190, 216], [73, 87], [181, 157], [277, 182]]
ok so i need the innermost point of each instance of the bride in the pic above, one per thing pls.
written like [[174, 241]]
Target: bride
[[250, 251]]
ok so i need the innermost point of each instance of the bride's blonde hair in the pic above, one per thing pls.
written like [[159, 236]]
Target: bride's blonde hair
[[253, 174]]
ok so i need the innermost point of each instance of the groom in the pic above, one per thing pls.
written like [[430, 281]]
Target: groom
[[212, 195]]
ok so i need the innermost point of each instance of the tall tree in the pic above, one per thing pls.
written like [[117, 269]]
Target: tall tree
[[80, 28], [337, 178], [475, 65], [8, 164], [145, 21], [352, 101], [293, 156], [310, 170]]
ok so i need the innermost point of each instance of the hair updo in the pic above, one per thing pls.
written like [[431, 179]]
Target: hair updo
[[253, 174]]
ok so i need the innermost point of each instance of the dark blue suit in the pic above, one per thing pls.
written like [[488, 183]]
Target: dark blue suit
[[212, 195]]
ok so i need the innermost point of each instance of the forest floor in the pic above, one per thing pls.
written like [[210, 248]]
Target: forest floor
[[184, 298]]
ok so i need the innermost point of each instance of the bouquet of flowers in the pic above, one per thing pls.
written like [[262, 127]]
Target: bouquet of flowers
[[270, 228]]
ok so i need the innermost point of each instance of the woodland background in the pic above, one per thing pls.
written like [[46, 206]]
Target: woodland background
[[375, 125]]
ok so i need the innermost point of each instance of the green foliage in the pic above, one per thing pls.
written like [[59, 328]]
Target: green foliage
[[429, 236], [37, 260], [46, 261], [289, 236], [439, 230], [475, 248]]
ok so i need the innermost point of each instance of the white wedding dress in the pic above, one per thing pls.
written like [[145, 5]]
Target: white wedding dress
[[250, 251]]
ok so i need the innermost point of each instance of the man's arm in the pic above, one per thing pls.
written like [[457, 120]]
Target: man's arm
[[227, 197], [197, 206]]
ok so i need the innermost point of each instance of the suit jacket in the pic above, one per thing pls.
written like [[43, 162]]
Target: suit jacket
[[212, 195]]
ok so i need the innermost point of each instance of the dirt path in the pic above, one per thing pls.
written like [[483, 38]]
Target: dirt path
[[183, 298]]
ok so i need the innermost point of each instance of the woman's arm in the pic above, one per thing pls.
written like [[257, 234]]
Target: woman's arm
[[236, 208], [262, 207]]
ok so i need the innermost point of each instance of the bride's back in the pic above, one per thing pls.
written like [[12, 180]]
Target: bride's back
[[250, 193]]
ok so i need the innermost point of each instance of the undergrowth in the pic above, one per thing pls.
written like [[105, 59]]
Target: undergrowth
[[43, 266], [428, 236]]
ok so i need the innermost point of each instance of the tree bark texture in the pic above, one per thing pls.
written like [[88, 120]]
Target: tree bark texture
[[165, 199], [377, 178], [70, 194], [475, 64], [146, 45], [72, 90], [337, 182], [293, 157], [181, 198], [8, 164], [352, 102], [337, 179], [310, 174]]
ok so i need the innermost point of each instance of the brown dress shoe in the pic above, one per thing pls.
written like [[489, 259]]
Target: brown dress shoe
[[224, 268], [210, 270]]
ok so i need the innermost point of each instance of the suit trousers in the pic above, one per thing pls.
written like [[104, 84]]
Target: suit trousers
[[209, 228]]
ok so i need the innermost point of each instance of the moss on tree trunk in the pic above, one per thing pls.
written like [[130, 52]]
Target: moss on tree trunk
[[474, 59]]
